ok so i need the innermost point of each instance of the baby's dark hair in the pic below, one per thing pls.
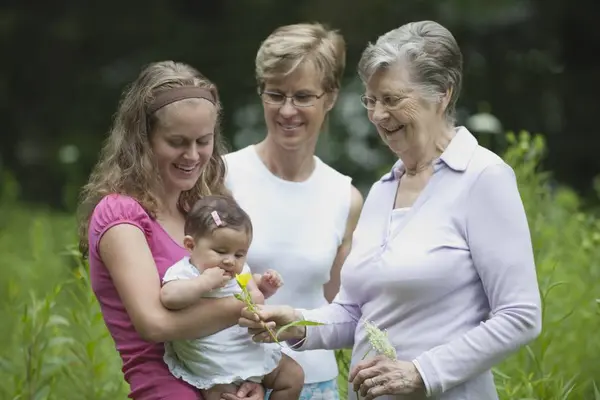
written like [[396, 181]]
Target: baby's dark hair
[[200, 222]]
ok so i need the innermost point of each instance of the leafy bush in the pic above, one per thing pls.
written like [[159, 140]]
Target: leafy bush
[[55, 344], [563, 362]]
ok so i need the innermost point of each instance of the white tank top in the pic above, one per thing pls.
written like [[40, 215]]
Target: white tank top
[[298, 227]]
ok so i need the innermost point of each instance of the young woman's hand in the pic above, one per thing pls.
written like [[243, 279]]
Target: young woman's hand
[[247, 391]]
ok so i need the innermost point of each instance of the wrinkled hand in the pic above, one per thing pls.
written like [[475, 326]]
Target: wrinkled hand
[[274, 317], [270, 281], [247, 391], [216, 277], [380, 376]]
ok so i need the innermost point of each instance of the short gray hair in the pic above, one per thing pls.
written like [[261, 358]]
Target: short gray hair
[[431, 54]]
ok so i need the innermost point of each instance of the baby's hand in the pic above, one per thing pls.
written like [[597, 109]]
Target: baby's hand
[[270, 282], [272, 278], [216, 277]]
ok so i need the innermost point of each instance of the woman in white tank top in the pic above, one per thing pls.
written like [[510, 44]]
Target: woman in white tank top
[[303, 211]]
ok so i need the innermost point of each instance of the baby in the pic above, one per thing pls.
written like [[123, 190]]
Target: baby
[[218, 234]]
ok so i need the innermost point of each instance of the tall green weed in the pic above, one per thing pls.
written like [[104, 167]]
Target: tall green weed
[[54, 344]]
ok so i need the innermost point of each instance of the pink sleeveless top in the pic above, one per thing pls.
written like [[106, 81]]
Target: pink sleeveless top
[[143, 366]]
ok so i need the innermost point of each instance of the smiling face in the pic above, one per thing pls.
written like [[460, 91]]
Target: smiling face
[[290, 126], [410, 120], [225, 248], [183, 142]]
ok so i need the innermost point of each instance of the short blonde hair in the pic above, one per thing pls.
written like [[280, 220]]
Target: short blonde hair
[[291, 45]]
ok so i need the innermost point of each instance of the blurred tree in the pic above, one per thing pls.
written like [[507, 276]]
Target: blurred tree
[[67, 62]]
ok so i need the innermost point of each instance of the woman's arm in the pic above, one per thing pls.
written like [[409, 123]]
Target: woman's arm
[[339, 325], [339, 321], [500, 245], [332, 287], [126, 255]]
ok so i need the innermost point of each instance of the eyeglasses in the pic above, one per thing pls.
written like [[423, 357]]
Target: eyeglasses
[[389, 102], [298, 100]]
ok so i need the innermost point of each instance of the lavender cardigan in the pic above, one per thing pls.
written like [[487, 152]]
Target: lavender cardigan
[[454, 284]]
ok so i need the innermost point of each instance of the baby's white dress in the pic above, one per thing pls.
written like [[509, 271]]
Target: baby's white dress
[[228, 356]]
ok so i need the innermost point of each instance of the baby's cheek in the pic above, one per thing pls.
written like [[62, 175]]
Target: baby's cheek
[[239, 268]]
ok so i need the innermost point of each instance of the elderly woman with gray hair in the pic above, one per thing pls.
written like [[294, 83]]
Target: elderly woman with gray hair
[[441, 258]]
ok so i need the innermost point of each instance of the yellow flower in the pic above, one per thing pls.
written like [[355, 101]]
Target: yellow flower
[[243, 279]]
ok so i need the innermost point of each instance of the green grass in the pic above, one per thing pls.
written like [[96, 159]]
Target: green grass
[[54, 344]]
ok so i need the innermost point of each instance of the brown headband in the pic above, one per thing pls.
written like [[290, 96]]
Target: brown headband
[[179, 93]]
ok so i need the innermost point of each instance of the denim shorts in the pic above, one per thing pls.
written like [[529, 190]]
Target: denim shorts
[[318, 391]]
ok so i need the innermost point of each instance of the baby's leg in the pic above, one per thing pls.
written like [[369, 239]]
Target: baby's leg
[[214, 393], [286, 380]]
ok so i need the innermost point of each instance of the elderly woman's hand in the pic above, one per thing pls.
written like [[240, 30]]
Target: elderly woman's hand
[[273, 317], [380, 376]]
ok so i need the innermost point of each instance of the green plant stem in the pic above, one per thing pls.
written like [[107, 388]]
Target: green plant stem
[[251, 306]]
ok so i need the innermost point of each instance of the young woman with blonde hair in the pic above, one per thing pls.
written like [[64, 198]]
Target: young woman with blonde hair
[[303, 210]]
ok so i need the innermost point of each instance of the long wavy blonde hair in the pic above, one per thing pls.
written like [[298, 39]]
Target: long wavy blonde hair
[[127, 164]]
